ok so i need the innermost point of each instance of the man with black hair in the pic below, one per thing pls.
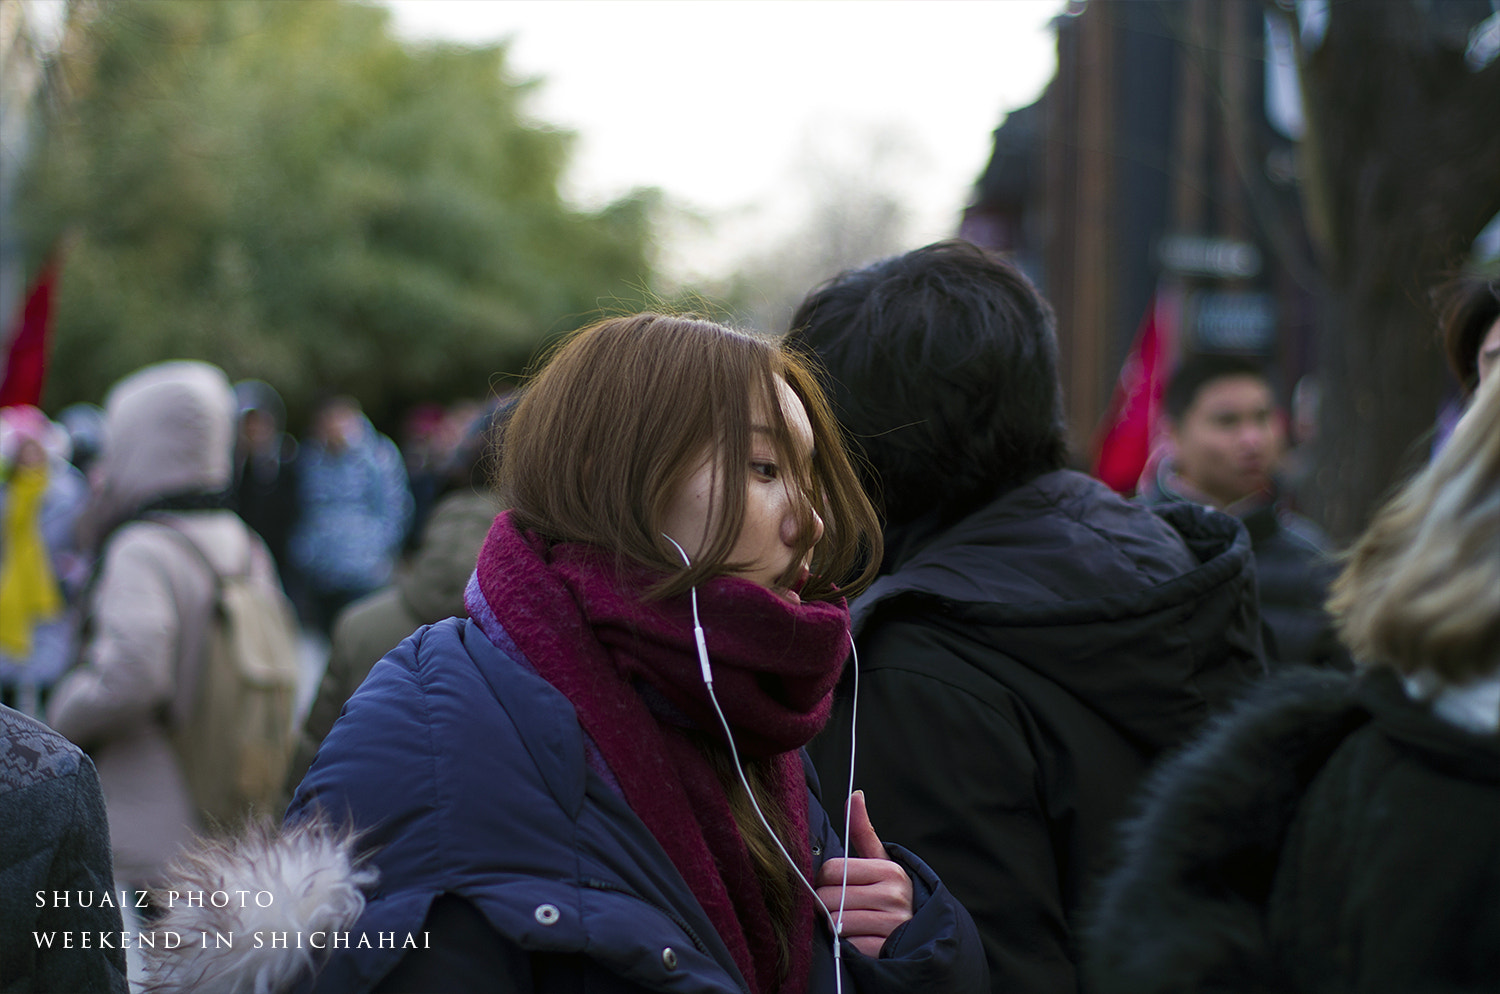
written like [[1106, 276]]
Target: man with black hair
[[1226, 441], [1034, 641]]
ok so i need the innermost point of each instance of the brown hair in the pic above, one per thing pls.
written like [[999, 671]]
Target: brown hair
[[1467, 306], [778, 886], [621, 414], [612, 426], [1421, 590]]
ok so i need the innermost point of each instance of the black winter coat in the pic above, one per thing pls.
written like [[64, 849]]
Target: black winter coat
[[1293, 567], [1018, 673], [1331, 835]]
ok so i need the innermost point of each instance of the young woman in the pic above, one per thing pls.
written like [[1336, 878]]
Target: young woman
[[547, 790]]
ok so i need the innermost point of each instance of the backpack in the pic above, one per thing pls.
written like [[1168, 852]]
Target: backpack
[[235, 738]]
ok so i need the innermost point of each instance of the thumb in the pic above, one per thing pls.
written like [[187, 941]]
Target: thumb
[[863, 842]]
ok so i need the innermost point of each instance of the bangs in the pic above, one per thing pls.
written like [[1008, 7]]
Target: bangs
[[847, 558], [623, 414]]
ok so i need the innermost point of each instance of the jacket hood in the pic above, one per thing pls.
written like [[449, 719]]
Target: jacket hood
[[1147, 615], [168, 429]]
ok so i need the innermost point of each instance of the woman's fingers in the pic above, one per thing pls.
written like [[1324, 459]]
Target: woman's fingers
[[870, 924], [862, 873], [863, 841], [876, 894], [888, 893], [875, 903]]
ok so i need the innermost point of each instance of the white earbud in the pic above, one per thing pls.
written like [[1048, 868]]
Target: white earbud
[[708, 673], [835, 924]]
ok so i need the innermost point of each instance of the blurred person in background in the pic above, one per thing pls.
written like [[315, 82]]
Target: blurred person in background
[[1226, 439], [265, 470], [1468, 309], [353, 510], [428, 585], [42, 497], [1342, 833], [1469, 324], [426, 441], [85, 426], [164, 481], [1034, 641]]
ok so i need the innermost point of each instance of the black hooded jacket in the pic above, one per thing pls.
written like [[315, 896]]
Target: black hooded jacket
[[1293, 566], [1019, 672], [1329, 835]]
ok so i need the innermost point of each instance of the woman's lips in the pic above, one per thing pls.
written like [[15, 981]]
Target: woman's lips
[[793, 593]]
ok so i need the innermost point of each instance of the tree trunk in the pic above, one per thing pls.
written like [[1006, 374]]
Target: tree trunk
[[1382, 382], [1401, 170]]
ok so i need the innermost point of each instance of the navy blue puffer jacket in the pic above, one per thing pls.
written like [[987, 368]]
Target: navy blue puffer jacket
[[468, 773]]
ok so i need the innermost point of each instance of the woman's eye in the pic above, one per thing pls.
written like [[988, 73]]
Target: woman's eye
[[766, 469]]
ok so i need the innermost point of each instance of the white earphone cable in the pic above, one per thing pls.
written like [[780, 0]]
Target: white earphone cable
[[836, 925], [849, 793]]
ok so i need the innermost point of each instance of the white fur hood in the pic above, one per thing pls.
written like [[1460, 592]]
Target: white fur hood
[[227, 898]]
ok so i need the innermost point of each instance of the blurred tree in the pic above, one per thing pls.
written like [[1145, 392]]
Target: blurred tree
[[287, 190], [1399, 172], [840, 195]]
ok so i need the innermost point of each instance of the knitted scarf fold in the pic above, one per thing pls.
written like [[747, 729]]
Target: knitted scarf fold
[[631, 670]]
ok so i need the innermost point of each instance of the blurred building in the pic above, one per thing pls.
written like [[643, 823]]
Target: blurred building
[[1158, 168]]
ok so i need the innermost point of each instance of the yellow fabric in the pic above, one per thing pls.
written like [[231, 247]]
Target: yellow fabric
[[29, 593]]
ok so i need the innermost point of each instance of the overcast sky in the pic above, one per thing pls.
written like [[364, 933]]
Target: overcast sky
[[720, 103]]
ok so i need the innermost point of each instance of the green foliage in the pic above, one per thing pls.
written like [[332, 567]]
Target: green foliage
[[288, 191]]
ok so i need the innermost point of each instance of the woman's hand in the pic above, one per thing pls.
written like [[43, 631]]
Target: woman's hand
[[879, 895]]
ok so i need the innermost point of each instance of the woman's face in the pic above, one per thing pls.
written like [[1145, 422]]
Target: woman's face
[[771, 534]]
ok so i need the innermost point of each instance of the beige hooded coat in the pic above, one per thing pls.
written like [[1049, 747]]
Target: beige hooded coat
[[169, 431]]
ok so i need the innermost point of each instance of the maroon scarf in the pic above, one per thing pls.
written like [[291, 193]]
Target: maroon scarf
[[586, 630]]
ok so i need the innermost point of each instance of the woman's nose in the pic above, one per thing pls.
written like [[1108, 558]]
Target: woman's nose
[[791, 528]]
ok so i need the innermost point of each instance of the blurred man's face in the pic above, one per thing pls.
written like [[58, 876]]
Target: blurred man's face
[[1228, 441], [258, 430], [338, 426], [31, 453]]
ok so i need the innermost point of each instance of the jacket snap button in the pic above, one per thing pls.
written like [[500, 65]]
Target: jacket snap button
[[669, 958], [548, 914], [817, 849]]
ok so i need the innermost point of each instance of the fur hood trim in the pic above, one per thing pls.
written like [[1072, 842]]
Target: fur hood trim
[[315, 880], [1183, 911]]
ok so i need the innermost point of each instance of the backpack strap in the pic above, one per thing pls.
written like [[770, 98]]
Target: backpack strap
[[166, 521], [189, 663]]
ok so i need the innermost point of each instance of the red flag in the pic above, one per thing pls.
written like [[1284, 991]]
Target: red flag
[[26, 358], [1131, 428]]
